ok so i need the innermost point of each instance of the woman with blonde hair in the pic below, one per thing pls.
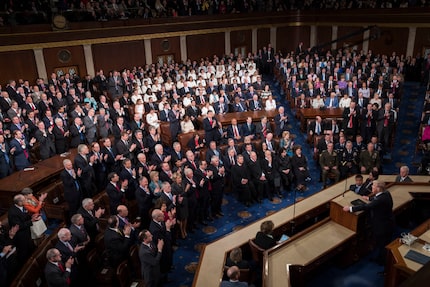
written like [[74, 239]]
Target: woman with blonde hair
[[181, 203]]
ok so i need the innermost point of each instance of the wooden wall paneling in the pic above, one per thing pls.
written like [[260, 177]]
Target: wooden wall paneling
[[65, 57], [288, 38], [324, 36], [206, 45], [241, 39], [263, 38], [391, 39], [116, 56], [422, 41], [17, 65], [165, 47], [354, 41]]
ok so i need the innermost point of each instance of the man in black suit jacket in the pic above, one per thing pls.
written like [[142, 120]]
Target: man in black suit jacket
[[115, 191], [358, 187], [5, 160], [144, 199], [113, 158], [129, 174], [69, 249], [264, 238], [161, 230], [77, 229], [210, 125], [57, 274], [85, 164], [46, 139], [117, 242], [150, 257], [72, 188], [77, 133], [61, 136], [18, 215], [91, 217], [381, 206]]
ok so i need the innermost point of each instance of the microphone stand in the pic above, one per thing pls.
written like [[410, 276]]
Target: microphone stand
[[293, 222]]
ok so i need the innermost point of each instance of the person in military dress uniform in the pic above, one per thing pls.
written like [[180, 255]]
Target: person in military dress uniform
[[349, 158], [329, 162]]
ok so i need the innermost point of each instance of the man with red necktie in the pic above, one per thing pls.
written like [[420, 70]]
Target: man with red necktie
[[57, 274]]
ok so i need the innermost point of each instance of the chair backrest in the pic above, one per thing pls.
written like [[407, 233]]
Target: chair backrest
[[122, 274], [245, 275], [135, 262], [31, 274], [257, 252]]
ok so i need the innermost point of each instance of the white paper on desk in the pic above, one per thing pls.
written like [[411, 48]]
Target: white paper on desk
[[12, 251], [283, 238]]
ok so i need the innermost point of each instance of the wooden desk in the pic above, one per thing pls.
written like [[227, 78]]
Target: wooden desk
[[399, 268], [305, 252], [44, 173], [346, 219], [310, 114], [211, 264]]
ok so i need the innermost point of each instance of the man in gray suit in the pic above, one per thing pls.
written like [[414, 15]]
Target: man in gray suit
[[90, 122], [150, 256]]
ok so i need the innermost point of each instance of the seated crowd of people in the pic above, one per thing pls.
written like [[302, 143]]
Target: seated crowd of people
[[368, 89], [114, 121], [32, 12]]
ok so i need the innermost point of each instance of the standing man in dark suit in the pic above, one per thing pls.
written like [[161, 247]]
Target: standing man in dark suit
[[117, 242], [210, 125], [281, 122], [77, 229], [5, 160], [161, 230], [91, 217], [77, 133], [57, 274], [18, 148], [85, 164], [18, 215], [150, 256], [61, 136], [72, 188], [115, 191], [351, 116], [144, 199], [69, 249], [46, 139], [381, 206]]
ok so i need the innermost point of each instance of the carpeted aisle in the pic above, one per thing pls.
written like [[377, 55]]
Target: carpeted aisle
[[236, 215]]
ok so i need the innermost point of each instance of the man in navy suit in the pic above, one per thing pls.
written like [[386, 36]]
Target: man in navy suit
[[255, 104], [117, 242], [72, 188], [19, 149], [381, 206], [161, 230], [18, 216]]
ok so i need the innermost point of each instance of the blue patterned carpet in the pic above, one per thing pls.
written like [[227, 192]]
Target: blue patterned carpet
[[363, 273]]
